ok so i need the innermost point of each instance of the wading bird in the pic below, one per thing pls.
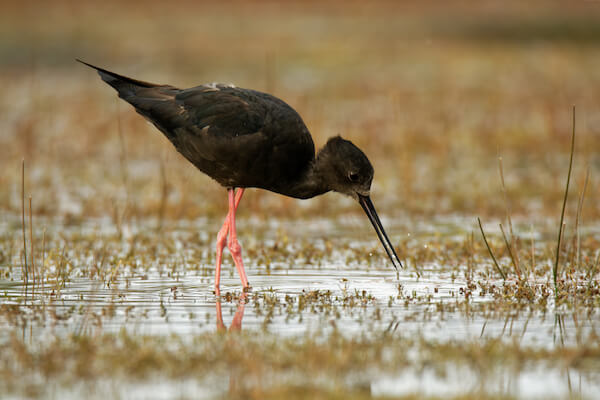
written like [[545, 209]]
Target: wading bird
[[242, 139]]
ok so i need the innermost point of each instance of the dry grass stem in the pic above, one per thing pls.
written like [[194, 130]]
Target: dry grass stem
[[510, 252], [490, 250], [25, 267], [564, 205], [33, 272]]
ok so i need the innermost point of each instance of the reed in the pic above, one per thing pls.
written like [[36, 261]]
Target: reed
[[31, 244], [513, 241], [490, 250], [510, 252], [25, 267], [577, 236], [562, 214], [43, 266]]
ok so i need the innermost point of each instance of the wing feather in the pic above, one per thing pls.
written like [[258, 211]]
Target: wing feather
[[239, 137]]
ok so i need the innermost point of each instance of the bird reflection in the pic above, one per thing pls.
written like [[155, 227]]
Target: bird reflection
[[237, 375], [236, 323]]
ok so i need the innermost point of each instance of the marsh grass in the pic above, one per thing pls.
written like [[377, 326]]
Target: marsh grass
[[575, 245], [25, 267], [510, 252], [33, 272], [491, 253], [562, 213], [572, 280], [126, 225]]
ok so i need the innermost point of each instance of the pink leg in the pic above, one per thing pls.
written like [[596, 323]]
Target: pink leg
[[234, 247], [222, 240]]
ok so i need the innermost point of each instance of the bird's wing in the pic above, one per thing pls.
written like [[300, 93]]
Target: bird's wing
[[221, 110], [249, 138], [224, 110], [240, 137], [205, 123]]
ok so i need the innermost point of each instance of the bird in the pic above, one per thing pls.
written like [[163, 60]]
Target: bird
[[245, 138]]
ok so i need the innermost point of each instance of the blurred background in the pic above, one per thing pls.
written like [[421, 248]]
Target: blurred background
[[434, 92]]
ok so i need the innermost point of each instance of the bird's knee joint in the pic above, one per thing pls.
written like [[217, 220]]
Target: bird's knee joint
[[234, 247]]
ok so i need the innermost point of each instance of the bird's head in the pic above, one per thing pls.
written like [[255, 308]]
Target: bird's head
[[345, 168]]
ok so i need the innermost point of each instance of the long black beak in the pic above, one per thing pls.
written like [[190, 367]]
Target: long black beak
[[367, 205]]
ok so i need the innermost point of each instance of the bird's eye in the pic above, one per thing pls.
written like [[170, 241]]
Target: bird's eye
[[353, 176]]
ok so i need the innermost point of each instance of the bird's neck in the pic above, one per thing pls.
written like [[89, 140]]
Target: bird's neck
[[311, 183]]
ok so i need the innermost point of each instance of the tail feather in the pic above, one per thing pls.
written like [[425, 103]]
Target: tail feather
[[155, 102], [124, 85]]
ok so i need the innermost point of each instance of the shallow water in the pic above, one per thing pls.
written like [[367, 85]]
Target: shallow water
[[186, 305], [174, 296]]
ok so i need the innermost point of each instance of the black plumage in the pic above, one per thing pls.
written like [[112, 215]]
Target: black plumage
[[244, 138]]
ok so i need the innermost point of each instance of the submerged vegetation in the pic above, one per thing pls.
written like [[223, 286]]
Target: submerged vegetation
[[107, 235]]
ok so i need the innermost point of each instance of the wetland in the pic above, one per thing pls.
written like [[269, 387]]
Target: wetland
[[107, 235]]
